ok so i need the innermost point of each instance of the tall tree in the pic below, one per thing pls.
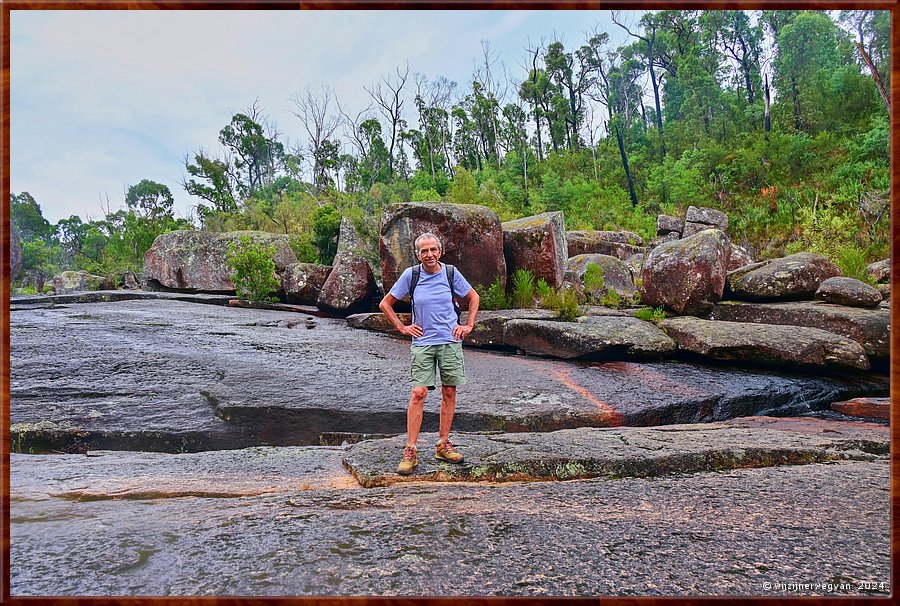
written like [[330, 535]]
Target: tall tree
[[316, 112]]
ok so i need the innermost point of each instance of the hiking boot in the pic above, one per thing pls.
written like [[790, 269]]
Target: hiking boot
[[444, 451], [410, 459]]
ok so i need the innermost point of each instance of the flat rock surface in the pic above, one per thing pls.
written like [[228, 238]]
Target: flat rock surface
[[765, 343], [869, 327], [172, 376], [590, 452], [289, 521], [109, 296]]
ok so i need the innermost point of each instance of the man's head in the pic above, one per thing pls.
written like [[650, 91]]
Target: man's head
[[429, 250]]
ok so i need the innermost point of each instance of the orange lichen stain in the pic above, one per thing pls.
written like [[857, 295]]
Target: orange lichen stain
[[613, 417]]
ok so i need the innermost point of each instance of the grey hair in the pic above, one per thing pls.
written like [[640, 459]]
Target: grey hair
[[428, 235]]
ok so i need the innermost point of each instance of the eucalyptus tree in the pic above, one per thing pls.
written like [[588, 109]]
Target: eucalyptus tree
[[388, 97], [316, 111]]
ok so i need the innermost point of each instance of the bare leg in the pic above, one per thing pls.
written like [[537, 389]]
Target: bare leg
[[448, 406], [414, 414]]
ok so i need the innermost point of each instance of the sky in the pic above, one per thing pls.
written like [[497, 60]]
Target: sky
[[103, 99]]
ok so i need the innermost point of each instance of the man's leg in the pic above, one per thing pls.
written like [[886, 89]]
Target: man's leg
[[414, 414], [448, 406]]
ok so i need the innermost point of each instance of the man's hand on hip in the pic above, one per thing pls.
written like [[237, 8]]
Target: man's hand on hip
[[413, 330], [461, 332]]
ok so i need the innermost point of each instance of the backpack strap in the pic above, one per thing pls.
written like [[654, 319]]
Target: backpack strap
[[451, 273], [413, 281]]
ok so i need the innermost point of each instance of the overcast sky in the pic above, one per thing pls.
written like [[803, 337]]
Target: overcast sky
[[103, 99]]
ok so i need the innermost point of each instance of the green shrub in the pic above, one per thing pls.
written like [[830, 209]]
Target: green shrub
[[492, 297], [542, 290], [253, 267], [649, 314], [593, 278], [523, 289], [564, 302], [612, 299], [852, 262], [326, 223], [303, 247]]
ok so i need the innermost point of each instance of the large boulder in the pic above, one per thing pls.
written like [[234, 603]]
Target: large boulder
[[686, 275], [880, 270], [195, 260], [597, 337], [699, 218], [302, 282], [472, 237], [537, 244], [79, 281], [869, 327], [350, 286], [616, 274], [667, 224], [766, 344], [794, 277], [619, 244], [848, 291], [15, 252]]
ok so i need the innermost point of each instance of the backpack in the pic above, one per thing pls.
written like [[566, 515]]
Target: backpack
[[414, 280]]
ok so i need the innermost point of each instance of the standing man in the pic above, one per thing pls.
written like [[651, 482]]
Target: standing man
[[437, 342]]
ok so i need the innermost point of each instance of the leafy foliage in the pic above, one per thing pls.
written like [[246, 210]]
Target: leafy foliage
[[253, 269], [493, 296], [522, 296]]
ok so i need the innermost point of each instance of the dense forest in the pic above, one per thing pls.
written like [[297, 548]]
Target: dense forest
[[777, 118]]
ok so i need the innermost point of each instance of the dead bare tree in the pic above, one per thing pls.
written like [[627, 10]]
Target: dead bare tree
[[320, 124], [389, 101]]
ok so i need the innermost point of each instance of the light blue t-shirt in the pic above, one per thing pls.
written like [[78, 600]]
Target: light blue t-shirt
[[433, 304]]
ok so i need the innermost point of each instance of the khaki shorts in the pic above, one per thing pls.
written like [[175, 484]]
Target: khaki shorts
[[427, 358]]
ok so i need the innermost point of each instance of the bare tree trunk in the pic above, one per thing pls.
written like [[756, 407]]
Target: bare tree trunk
[[884, 94], [768, 119], [631, 193]]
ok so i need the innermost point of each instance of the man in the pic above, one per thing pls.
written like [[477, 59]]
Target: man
[[437, 342]]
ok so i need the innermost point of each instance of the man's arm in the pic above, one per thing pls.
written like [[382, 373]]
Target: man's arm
[[387, 308], [461, 332]]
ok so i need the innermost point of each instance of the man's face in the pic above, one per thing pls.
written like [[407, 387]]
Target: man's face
[[429, 254]]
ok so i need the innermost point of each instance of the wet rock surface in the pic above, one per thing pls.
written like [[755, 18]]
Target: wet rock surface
[[766, 344], [289, 521], [172, 376], [614, 453], [302, 282], [869, 327]]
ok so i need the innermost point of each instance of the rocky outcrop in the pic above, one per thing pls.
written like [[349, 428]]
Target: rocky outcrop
[[616, 275], [869, 327], [130, 281], [349, 288], [848, 291], [667, 224], [15, 252], [686, 275], [472, 237], [880, 270], [794, 277], [302, 282], [537, 244], [669, 237], [77, 281], [699, 218], [619, 244], [598, 337], [636, 264], [195, 260], [766, 344]]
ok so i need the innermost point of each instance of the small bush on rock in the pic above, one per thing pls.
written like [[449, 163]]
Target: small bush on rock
[[649, 314], [253, 267], [492, 297], [523, 289]]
